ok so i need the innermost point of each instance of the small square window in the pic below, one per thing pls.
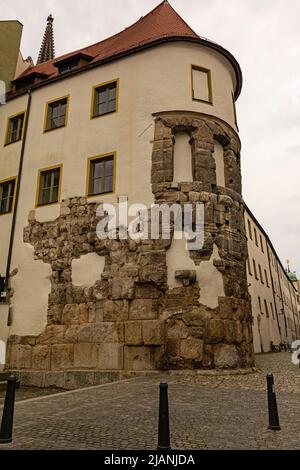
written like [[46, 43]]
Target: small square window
[[15, 128], [7, 193], [201, 84], [105, 99], [49, 186], [101, 175], [56, 114]]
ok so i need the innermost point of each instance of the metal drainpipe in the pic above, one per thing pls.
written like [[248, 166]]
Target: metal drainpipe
[[13, 224]]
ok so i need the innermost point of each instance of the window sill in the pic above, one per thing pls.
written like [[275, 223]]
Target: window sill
[[54, 128], [104, 114]]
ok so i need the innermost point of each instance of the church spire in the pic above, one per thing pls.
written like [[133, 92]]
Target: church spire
[[47, 47]]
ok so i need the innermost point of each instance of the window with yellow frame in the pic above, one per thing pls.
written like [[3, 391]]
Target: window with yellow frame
[[105, 98], [101, 174], [56, 113], [7, 195], [49, 185], [15, 127]]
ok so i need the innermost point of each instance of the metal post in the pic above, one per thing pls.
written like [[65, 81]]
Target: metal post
[[8, 411], [163, 423], [272, 405]]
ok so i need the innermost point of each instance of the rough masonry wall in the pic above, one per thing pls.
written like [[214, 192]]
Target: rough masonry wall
[[130, 319]]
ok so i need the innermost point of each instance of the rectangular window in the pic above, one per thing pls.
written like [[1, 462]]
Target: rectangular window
[[249, 267], [56, 114], [101, 174], [261, 243], [7, 193], [49, 186], [260, 274], [267, 279], [15, 128], [105, 98], [68, 66], [272, 310], [255, 270], [266, 309], [201, 84], [249, 229], [259, 302], [255, 236], [234, 110]]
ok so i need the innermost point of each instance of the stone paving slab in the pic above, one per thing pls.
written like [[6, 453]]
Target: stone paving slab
[[124, 415]]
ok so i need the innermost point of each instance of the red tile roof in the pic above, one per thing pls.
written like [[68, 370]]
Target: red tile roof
[[161, 24]]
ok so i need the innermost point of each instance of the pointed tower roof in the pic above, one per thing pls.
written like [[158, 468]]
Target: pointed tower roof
[[47, 47], [162, 24]]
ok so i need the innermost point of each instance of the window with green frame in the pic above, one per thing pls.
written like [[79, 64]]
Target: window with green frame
[[15, 128], [101, 175], [105, 99], [7, 192], [56, 114], [49, 183]]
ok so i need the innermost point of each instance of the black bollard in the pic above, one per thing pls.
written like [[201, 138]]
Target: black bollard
[[8, 411], [272, 405], [163, 423]]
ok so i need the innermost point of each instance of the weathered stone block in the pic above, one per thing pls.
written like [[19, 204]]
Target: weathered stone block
[[54, 379], [122, 288], [32, 379], [70, 314], [225, 356], [214, 330], [177, 329], [62, 356], [41, 357], [110, 356], [192, 348], [143, 309], [83, 316], [133, 333], [52, 334], [138, 358], [85, 333], [153, 332], [20, 356], [85, 355], [107, 332], [115, 310], [78, 379]]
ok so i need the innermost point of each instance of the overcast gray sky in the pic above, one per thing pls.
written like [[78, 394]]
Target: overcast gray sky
[[264, 36]]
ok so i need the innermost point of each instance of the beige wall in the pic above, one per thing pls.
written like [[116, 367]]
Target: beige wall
[[10, 37], [151, 81]]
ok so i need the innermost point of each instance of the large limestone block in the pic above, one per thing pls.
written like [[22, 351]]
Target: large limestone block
[[138, 358], [214, 330], [20, 356], [226, 356], [85, 355], [41, 357], [192, 348], [122, 288], [133, 333], [153, 332], [143, 309], [52, 334], [115, 310], [106, 332], [110, 356], [62, 356]]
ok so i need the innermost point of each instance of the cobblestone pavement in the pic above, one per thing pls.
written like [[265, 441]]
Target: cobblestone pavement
[[25, 393], [206, 412]]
